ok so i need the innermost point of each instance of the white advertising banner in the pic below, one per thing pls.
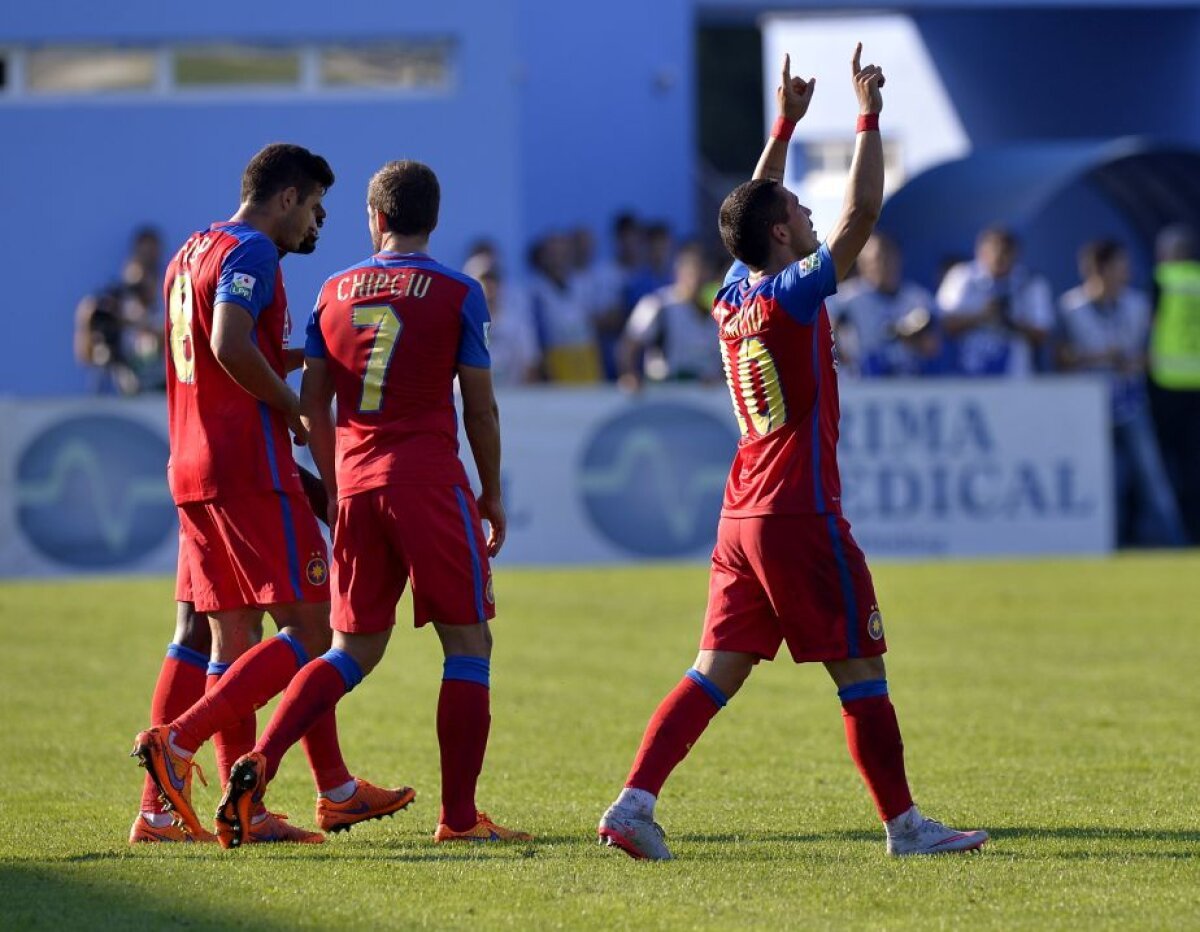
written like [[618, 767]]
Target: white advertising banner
[[933, 468]]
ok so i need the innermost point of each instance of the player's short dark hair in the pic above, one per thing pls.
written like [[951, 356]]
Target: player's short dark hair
[[408, 195], [746, 218], [1099, 254], [280, 166]]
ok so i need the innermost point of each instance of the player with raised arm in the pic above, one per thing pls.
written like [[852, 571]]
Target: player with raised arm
[[785, 568], [387, 339], [249, 541]]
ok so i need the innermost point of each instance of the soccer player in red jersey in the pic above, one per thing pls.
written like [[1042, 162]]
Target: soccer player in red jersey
[[248, 539], [387, 339], [187, 671], [785, 568]]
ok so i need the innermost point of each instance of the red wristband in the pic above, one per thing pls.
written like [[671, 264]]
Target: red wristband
[[782, 128], [868, 123]]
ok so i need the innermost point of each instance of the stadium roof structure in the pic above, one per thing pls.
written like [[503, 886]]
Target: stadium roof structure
[[1056, 195]]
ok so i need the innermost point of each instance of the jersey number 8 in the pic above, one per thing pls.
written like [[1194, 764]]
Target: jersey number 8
[[183, 350]]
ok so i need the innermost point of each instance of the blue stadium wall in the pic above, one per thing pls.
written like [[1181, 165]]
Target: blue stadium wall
[[560, 114]]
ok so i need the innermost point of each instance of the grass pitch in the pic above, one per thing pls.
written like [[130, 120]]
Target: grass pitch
[[1053, 703]]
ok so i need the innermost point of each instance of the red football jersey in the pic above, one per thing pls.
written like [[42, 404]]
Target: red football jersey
[[224, 441], [393, 331], [777, 345]]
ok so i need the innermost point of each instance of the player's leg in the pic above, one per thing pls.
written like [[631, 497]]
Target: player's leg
[[227, 646], [872, 730], [452, 588], [309, 699], [463, 723], [739, 630], [180, 683], [368, 577]]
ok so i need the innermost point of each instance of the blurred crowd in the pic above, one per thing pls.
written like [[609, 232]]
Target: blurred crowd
[[642, 315]]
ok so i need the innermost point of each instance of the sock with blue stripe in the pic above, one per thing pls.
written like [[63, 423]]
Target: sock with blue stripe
[[232, 742], [307, 707], [180, 684], [676, 725], [254, 678], [873, 737], [463, 722]]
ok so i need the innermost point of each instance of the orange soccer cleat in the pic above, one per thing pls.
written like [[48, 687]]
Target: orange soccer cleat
[[484, 829], [243, 793], [367, 802], [274, 827], [172, 774], [142, 832]]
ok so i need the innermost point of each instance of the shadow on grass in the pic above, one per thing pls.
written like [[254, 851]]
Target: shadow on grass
[[45, 896], [1096, 833]]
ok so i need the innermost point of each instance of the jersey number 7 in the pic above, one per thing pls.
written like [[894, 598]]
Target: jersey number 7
[[388, 328]]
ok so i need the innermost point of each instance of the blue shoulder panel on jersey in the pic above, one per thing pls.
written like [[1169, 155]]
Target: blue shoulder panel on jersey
[[737, 271], [473, 344], [314, 339], [248, 271], [803, 285]]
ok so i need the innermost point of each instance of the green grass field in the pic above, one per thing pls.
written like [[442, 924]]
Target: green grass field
[[1053, 703]]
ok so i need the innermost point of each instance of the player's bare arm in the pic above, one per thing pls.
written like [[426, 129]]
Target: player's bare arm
[[293, 358], [792, 98], [316, 397], [864, 191], [233, 346], [481, 421]]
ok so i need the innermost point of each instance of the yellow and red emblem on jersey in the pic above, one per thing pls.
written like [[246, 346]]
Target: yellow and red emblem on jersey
[[875, 625], [317, 571], [489, 592]]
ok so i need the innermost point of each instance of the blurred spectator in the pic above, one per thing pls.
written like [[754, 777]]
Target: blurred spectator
[[605, 285], [1175, 365], [118, 329], [561, 318], [658, 270], [879, 311], [510, 337], [671, 335], [1103, 327], [1000, 313]]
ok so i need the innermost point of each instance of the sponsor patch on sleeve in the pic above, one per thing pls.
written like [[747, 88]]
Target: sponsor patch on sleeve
[[242, 285], [810, 263]]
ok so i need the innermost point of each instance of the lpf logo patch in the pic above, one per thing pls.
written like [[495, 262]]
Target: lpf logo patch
[[317, 571], [875, 626], [489, 592]]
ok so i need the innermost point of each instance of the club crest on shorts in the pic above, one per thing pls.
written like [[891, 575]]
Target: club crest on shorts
[[875, 625], [489, 593], [317, 571]]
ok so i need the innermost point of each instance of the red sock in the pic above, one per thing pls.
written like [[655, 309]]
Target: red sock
[[306, 713], [463, 721], [180, 684], [238, 739], [676, 725], [873, 736], [254, 678], [324, 753]]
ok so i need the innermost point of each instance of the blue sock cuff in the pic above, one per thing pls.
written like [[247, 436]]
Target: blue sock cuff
[[864, 690], [186, 655], [468, 669], [217, 669], [346, 665], [713, 690], [297, 648]]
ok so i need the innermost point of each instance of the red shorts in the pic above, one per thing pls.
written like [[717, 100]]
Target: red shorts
[[795, 578], [251, 550], [429, 534]]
